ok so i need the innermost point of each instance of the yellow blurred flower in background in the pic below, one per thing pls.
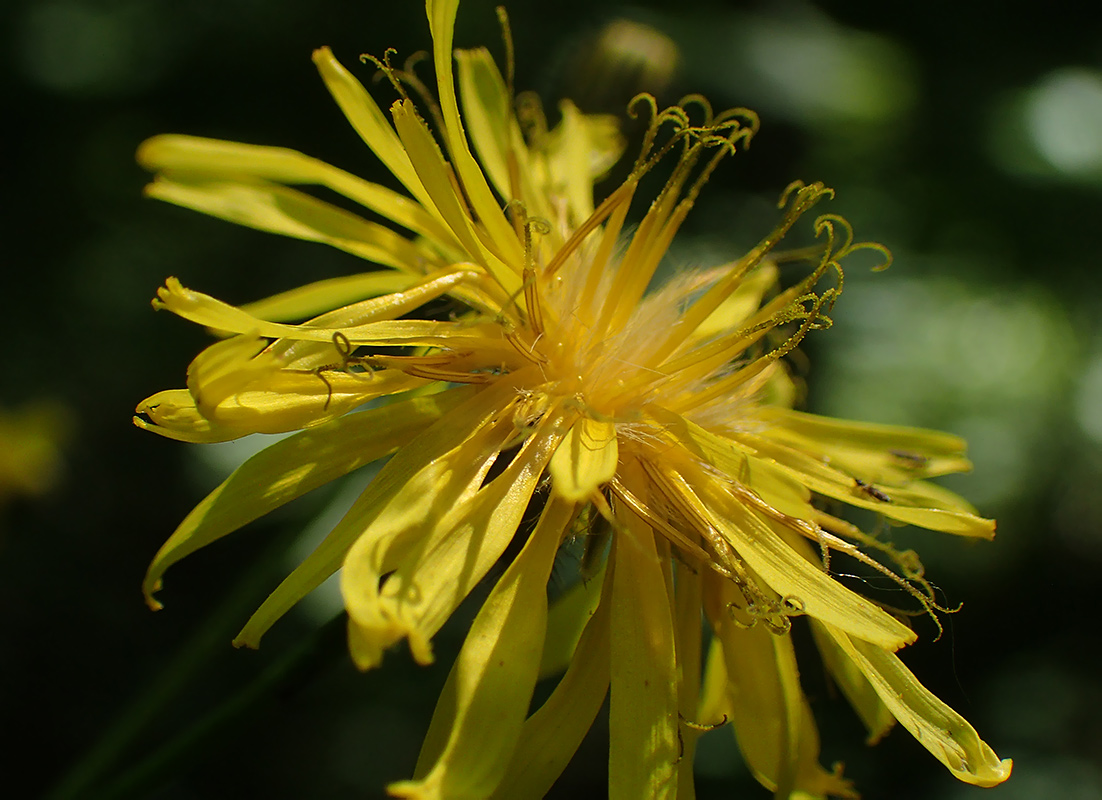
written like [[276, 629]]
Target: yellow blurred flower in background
[[563, 398], [30, 448]]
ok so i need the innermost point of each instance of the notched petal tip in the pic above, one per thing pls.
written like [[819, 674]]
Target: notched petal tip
[[323, 53], [246, 642], [367, 644]]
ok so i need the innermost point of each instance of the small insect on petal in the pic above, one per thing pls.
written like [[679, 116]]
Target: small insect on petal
[[871, 491]]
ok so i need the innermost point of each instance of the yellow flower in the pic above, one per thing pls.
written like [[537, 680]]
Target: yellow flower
[[561, 400]]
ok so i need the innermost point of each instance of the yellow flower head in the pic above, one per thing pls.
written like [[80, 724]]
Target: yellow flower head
[[563, 399]]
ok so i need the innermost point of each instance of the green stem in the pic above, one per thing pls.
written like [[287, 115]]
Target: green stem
[[318, 649], [205, 645]]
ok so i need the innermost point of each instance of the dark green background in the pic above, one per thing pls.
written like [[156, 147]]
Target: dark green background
[[918, 114]]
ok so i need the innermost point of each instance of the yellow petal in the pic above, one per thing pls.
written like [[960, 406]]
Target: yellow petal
[[774, 486], [314, 298], [245, 391], [485, 701], [206, 310], [643, 721], [586, 459], [570, 161], [454, 548], [292, 467], [733, 312], [714, 705], [229, 401], [876, 453], [415, 472], [397, 532], [216, 158], [437, 177], [771, 716], [486, 207], [917, 504], [938, 728], [687, 589], [289, 212], [488, 114], [369, 121], [566, 621], [172, 413], [552, 734], [785, 570], [854, 685]]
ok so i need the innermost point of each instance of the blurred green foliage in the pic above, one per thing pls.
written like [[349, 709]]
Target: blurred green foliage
[[968, 140]]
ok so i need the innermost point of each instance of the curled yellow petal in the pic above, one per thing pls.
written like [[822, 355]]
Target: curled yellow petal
[[938, 728]]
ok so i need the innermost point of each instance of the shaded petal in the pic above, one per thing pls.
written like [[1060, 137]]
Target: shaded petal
[[550, 737], [485, 701], [643, 721], [586, 459], [278, 209], [580, 150], [881, 453], [713, 706], [574, 158], [486, 107], [566, 621], [688, 630], [938, 728], [854, 685], [771, 716], [292, 467]]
